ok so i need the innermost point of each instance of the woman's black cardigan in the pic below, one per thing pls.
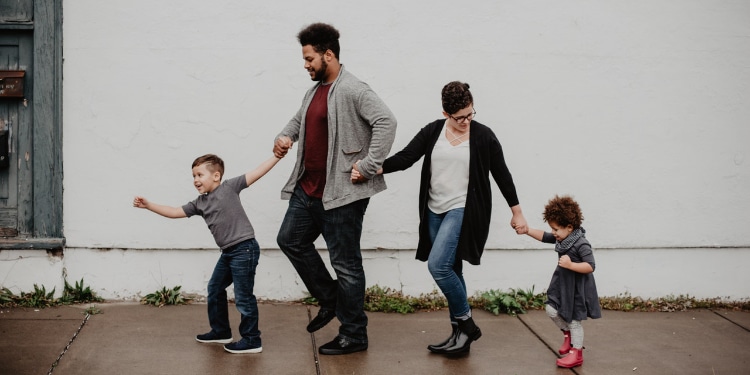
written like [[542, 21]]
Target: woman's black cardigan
[[486, 156]]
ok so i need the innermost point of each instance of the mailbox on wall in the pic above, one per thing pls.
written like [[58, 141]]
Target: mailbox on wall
[[11, 83]]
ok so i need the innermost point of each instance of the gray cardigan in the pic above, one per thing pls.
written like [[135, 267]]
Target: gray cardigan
[[360, 127]]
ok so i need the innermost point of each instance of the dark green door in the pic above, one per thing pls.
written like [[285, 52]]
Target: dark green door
[[16, 47], [31, 191]]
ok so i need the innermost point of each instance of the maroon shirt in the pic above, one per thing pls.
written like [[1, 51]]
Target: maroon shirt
[[313, 180]]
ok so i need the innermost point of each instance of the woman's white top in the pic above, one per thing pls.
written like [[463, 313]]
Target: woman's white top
[[450, 175]]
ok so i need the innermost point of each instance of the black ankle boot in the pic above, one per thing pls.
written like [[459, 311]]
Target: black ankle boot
[[468, 332], [450, 341]]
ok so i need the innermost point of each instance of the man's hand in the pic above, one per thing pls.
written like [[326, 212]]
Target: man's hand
[[357, 177], [282, 146]]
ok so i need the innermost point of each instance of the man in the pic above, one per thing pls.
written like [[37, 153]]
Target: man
[[341, 121]]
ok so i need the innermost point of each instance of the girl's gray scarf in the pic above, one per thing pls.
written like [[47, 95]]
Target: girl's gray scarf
[[563, 246]]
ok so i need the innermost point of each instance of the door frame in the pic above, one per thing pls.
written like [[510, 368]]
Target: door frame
[[46, 163]]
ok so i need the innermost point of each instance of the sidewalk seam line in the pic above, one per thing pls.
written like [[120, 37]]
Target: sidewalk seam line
[[543, 342], [730, 320], [314, 344], [65, 350]]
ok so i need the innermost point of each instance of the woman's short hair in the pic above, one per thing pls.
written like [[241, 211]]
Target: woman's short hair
[[456, 96]]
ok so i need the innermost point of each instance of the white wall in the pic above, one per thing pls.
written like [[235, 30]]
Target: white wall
[[639, 109]]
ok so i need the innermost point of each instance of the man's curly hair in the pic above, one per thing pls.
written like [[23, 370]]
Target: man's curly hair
[[456, 96], [322, 37], [563, 211]]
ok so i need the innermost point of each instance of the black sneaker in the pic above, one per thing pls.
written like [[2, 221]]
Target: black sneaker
[[213, 337], [320, 320], [341, 345], [242, 347]]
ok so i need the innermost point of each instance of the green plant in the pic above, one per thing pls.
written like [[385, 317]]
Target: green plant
[[496, 302], [310, 300], [431, 301], [7, 298], [39, 298], [513, 302], [389, 300], [530, 300], [386, 300], [517, 301], [93, 310], [670, 303], [164, 297], [78, 294]]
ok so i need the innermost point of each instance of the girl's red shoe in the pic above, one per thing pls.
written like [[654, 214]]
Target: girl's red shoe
[[573, 359]]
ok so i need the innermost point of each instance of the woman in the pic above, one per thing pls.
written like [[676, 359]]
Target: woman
[[455, 202]]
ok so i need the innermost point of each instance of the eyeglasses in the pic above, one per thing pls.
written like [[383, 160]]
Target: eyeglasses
[[461, 119]]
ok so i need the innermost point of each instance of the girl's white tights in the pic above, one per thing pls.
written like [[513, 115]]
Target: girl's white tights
[[575, 327]]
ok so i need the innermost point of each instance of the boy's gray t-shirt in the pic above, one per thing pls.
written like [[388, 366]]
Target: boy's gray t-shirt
[[223, 212]]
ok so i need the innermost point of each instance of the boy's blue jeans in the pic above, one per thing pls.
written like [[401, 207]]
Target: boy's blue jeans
[[235, 265], [446, 270], [341, 227]]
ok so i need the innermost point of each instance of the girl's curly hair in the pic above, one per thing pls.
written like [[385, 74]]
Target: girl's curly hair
[[563, 211]]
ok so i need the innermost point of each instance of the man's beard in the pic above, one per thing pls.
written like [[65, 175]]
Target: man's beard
[[320, 73]]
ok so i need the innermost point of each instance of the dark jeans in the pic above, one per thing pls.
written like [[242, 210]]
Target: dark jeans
[[236, 265], [341, 228]]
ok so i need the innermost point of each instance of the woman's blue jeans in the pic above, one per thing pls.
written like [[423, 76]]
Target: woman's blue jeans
[[235, 265], [341, 228], [445, 268]]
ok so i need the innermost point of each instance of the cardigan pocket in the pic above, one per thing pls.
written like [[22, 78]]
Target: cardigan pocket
[[351, 155]]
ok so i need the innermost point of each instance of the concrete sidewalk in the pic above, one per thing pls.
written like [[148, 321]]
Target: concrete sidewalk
[[127, 338]]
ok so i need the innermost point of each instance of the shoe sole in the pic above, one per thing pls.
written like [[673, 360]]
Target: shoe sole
[[245, 351], [456, 354], [220, 341], [312, 328], [340, 352]]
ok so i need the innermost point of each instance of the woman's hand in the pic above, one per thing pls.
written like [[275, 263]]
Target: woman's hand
[[518, 222]]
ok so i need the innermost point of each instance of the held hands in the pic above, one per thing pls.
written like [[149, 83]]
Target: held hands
[[520, 229], [282, 146], [357, 177], [518, 223]]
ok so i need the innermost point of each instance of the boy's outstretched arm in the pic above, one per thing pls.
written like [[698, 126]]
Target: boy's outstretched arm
[[166, 211], [261, 170]]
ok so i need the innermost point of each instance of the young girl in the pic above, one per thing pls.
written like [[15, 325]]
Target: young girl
[[571, 296]]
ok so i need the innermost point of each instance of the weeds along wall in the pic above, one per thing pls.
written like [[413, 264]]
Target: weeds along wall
[[118, 274], [638, 109]]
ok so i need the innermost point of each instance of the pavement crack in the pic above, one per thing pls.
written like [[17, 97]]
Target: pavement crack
[[553, 350], [314, 345], [57, 361], [731, 321]]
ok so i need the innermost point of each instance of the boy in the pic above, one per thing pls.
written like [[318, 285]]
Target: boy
[[219, 205]]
